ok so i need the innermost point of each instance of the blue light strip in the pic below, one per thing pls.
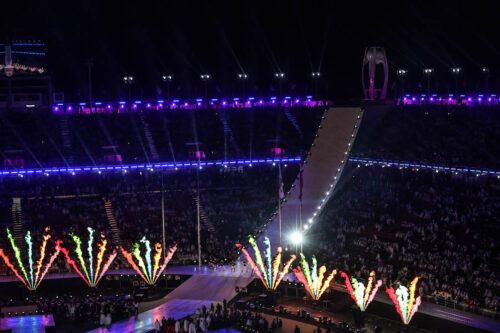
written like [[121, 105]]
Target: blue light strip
[[449, 99], [403, 164], [28, 44], [142, 166], [30, 53], [199, 103]]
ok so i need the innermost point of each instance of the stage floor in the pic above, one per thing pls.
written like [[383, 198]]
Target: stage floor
[[202, 288], [27, 324], [144, 322]]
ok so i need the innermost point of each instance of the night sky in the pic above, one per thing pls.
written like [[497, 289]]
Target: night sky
[[187, 38]]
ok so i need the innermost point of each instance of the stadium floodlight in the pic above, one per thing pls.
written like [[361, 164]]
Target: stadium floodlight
[[280, 75], [166, 78], [428, 71], [296, 237], [128, 79], [315, 74], [242, 76], [456, 70], [402, 72]]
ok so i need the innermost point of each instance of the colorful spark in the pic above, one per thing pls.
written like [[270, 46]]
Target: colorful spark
[[89, 249], [271, 276], [362, 295], [93, 278], [312, 281], [405, 301], [146, 270], [35, 278]]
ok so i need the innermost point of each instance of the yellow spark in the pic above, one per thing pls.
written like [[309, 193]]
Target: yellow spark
[[411, 301], [285, 270], [42, 256], [156, 258], [327, 283], [368, 288], [276, 266], [100, 255], [319, 279]]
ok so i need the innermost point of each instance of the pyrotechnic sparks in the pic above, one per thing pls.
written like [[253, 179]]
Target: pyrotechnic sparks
[[270, 276], [35, 278], [93, 278], [362, 295], [312, 281], [405, 301], [145, 270]]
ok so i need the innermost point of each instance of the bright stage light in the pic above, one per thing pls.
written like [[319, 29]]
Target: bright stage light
[[296, 237]]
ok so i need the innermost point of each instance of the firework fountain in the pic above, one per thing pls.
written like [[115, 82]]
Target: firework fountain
[[362, 295], [38, 270], [313, 281], [405, 301], [149, 272], [269, 273], [90, 276]]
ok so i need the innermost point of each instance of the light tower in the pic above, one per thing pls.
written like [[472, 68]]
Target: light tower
[[243, 77], [428, 73], [486, 73], [402, 74], [456, 71], [168, 78]]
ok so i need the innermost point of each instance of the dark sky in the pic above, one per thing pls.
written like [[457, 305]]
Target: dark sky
[[148, 38]]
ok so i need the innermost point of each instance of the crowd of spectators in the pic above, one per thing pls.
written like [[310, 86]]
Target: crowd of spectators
[[234, 203], [89, 311], [441, 227], [435, 134], [404, 223], [57, 140]]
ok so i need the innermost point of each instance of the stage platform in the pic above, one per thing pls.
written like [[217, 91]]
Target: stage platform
[[27, 324], [204, 287], [207, 286]]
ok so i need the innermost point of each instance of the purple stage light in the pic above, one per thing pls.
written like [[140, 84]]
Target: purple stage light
[[108, 106]]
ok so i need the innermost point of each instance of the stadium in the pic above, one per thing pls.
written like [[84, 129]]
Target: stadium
[[141, 197]]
